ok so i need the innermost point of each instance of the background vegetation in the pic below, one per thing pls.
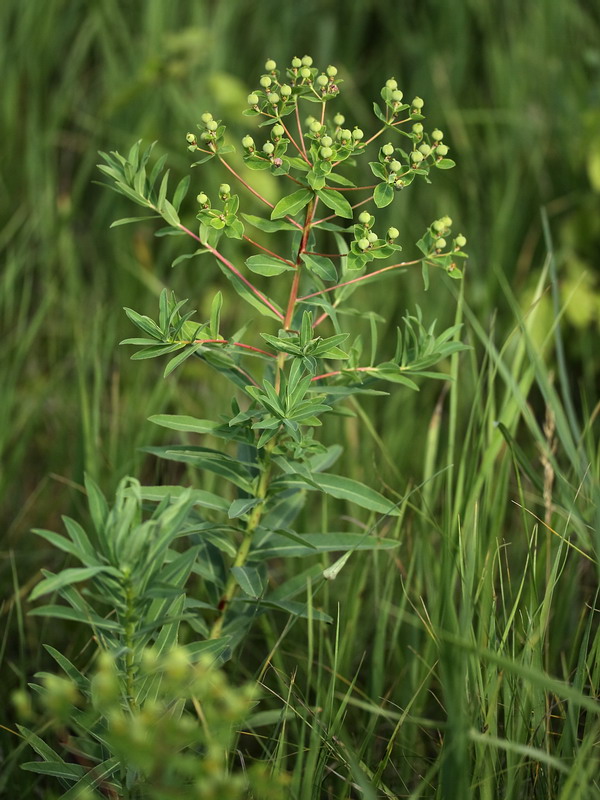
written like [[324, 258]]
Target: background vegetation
[[493, 587]]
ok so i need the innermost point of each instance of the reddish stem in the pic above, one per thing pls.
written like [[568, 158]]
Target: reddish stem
[[362, 278], [234, 344], [270, 252], [341, 371], [300, 133], [350, 188]]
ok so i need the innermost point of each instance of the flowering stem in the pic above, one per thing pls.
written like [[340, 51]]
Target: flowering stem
[[362, 278], [301, 135]]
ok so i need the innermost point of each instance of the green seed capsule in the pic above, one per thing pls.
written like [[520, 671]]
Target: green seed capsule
[[224, 188], [247, 142], [460, 240], [372, 237], [442, 150], [190, 138], [274, 98], [395, 165], [252, 99], [265, 81], [417, 128], [438, 226], [447, 221], [345, 134], [326, 152], [277, 131], [357, 134], [268, 148], [388, 149], [440, 244], [202, 198], [296, 62], [305, 72], [285, 90], [331, 71], [397, 96], [364, 218], [326, 141], [425, 149], [206, 136], [322, 80], [270, 65], [339, 120], [206, 117], [418, 103], [315, 126], [437, 135], [393, 233], [212, 125], [416, 157], [307, 61], [392, 83], [363, 244]]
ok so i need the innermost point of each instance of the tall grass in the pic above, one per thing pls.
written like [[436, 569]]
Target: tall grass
[[465, 667]]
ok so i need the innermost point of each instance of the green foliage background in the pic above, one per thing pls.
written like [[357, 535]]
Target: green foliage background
[[516, 88]]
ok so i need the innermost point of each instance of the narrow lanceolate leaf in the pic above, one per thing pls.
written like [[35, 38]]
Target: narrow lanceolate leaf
[[250, 297], [356, 492], [321, 266], [267, 265], [200, 497], [249, 581], [65, 578], [292, 204], [129, 220], [336, 202], [182, 422], [267, 225], [281, 545]]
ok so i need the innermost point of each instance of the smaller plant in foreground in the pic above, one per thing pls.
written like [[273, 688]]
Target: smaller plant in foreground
[[287, 376]]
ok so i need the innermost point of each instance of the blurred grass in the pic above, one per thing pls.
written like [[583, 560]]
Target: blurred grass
[[517, 89]]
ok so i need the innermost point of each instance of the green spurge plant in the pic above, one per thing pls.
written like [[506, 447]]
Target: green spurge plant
[[308, 365], [303, 367]]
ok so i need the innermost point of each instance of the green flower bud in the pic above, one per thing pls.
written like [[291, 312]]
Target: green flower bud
[[442, 150], [212, 125], [252, 99], [247, 142], [440, 244], [418, 103], [326, 152], [268, 148], [265, 81], [393, 233], [207, 136], [326, 141], [364, 218], [437, 135], [331, 71], [438, 225], [417, 128], [416, 157], [395, 165], [307, 61], [460, 240], [357, 134], [392, 83], [202, 198], [224, 188], [363, 244], [206, 117], [397, 96], [447, 221], [273, 98], [277, 131], [399, 184], [270, 65], [190, 138], [322, 80], [372, 237], [285, 90], [345, 134], [315, 126], [425, 149], [388, 149], [339, 120], [296, 62], [305, 72]]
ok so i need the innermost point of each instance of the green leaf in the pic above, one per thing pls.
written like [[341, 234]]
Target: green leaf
[[144, 323], [177, 360], [279, 545], [244, 292], [321, 266], [347, 489], [169, 213], [58, 769], [267, 225], [205, 458], [383, 195], [182, 422], [94, 777], [240, 507], [445, 163], [336, 202], [180, 192], [76, 615], [199, 497], [129, 220], [249, 581], [267, 265], [292, 204], [65, 578]]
